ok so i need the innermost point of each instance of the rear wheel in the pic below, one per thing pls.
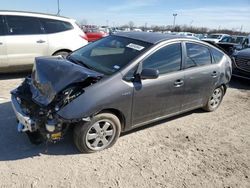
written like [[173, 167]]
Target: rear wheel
[[100, 133], [214, 100]]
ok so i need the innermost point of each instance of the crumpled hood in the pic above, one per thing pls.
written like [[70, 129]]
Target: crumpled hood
[[52, 74]]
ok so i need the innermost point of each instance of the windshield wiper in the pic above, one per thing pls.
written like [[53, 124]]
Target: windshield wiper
[[77, 61]]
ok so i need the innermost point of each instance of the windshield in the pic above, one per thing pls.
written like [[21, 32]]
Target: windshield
[[214, 36], [109, 54]]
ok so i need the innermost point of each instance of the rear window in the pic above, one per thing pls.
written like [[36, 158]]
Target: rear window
[[197, 55], [217, 55], [22, 25], [55, 26]]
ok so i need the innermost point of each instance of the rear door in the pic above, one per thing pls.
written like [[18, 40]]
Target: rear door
[[25, 41], [3, 55], [200, 75]]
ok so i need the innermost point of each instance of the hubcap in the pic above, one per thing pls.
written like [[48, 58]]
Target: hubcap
[[100, 135], [216, 98]]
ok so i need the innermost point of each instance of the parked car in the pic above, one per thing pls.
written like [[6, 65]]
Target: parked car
[[246, 42], [187, 34], [238, 39], [218, 37], [25, 35], [241, 63], [94, 34], [118, 83], [229, 44], [199, 36]]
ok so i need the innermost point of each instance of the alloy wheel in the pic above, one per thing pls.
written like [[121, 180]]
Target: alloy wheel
[[100, 135], [215, 98]]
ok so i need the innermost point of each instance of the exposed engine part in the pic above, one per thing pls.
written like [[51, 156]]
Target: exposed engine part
[[55, 136], [50, 126], [72, 92]]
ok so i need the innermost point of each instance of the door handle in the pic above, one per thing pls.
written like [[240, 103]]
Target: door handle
[[214, 74], [178, 83], [40, 41]]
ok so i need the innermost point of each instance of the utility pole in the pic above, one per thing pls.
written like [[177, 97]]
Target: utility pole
[[175, 14], [241, 28], [58, 7]]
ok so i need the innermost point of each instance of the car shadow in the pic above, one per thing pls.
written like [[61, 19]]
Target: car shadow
[[196, 111], [15, 146], [8, 76], [239, 83]]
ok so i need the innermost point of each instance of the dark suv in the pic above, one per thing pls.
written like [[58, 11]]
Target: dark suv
[[118, 83], [241, 63]]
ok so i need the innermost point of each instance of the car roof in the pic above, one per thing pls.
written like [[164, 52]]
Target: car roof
[[149, 36], [219, 34], [34, 14]]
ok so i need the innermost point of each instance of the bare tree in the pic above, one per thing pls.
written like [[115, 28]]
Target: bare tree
[[131, 24]]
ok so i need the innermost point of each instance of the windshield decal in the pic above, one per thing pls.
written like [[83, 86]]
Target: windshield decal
[[135, 46], [116, 67]]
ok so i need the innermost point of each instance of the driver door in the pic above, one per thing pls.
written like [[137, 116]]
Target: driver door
[[155, 98]]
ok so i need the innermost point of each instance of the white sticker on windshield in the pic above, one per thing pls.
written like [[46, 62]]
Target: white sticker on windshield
[[117, 67], [135, 46]]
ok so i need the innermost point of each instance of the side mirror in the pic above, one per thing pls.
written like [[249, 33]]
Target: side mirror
[[149, 74]]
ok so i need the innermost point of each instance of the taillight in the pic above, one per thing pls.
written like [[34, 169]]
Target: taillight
[[84, 37]]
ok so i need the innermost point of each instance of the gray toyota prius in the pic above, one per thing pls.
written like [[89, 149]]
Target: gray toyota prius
[[118, 83]]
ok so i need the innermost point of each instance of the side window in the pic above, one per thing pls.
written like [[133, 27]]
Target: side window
[[21, 25], [55, 26], [166, 59], [246, 42], [1, 26], [217, 55], [226, 39], [197, 55]]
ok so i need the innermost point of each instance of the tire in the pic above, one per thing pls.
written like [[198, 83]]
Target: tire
[[62, 53], [214, 100], [98, 134]]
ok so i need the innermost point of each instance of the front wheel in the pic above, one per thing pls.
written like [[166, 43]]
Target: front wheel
[[64, 54], [100, 133], [215, 100]]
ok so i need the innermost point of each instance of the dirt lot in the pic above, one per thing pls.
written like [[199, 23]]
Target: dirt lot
[[196, 149]]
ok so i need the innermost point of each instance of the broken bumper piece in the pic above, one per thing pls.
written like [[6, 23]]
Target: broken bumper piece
[[25, 123]]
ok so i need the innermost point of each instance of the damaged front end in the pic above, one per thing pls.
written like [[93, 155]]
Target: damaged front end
[[54, 83]]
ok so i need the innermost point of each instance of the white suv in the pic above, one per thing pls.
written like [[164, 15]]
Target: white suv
[[218, 37], [25, 35]]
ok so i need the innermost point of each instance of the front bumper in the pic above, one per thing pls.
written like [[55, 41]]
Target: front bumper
[[25, 122], [238, 72]]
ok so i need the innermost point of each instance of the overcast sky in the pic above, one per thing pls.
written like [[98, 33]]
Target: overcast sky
[[229, 14]]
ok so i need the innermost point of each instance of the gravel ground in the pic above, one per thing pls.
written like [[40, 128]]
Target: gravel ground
[[196, 149]]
